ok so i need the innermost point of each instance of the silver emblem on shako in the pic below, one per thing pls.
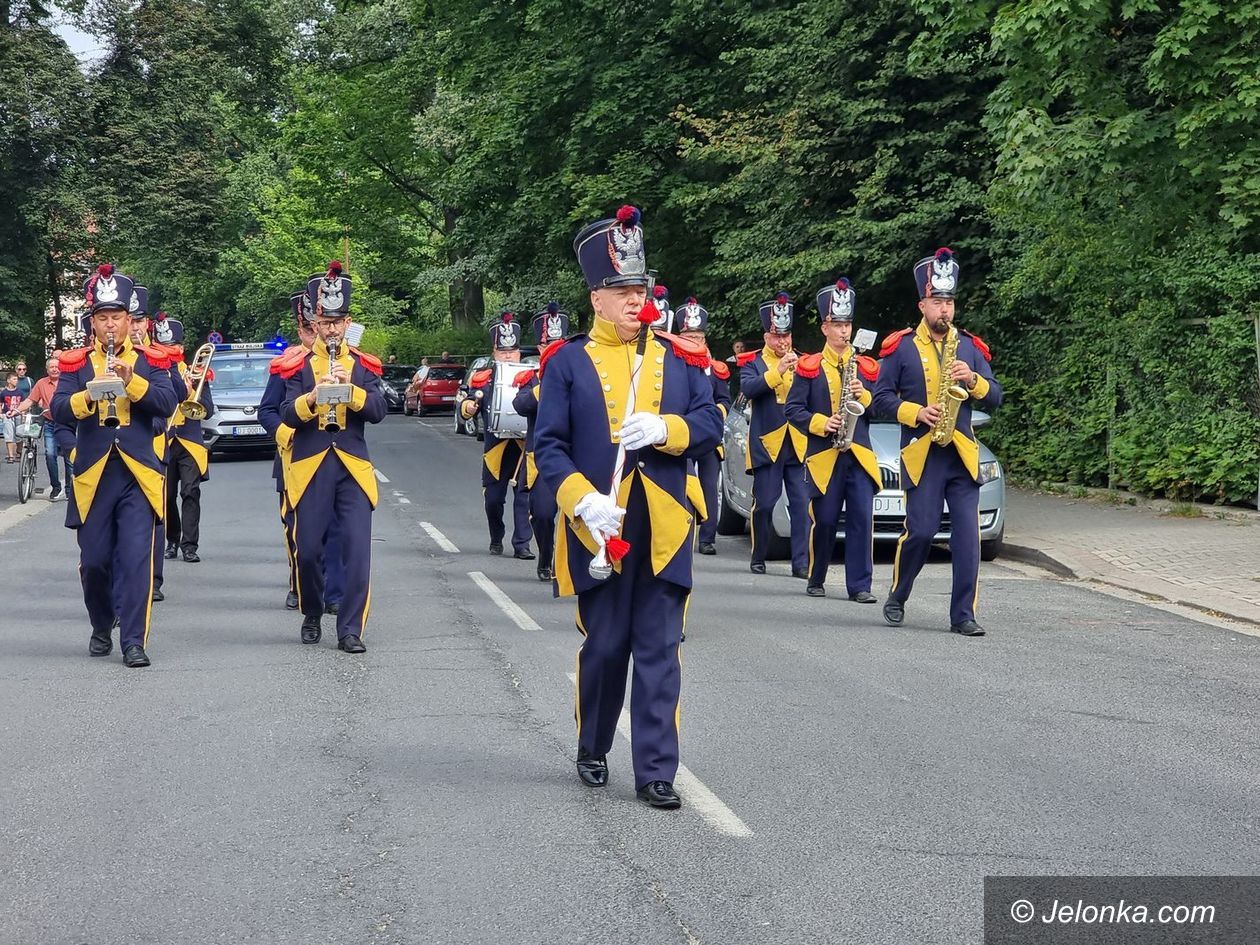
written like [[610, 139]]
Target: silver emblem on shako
[[842, 305], [626, 250], [691, 318], [781, 317], [554, 328], [331, 296], [105, 290], [165, 334], [507, 335], [943, 278]]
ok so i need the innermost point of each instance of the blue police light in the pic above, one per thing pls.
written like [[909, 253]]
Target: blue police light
[[278, 343]]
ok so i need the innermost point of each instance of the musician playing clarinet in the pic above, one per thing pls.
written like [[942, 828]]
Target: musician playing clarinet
[[621, 413]]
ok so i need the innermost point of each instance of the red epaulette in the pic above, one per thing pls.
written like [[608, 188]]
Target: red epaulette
[[370, 361], [868, 367], [720, 368], [891, 342], [290, 362], [156, 356], [524, 378], [693, 352], [745, 357], [808, 365], [481, 378], [547, 354], [73, 360], [979, 343]]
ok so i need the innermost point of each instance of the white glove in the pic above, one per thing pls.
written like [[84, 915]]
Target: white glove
[[600, 513], [643, 429]]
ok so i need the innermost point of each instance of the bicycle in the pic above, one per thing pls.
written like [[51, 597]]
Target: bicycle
[[28, 430]]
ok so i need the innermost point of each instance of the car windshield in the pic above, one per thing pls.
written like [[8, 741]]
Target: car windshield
[[398, 374], [445, 374], [240, 373]]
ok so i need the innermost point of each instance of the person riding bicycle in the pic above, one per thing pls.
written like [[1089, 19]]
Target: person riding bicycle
[[41, 396]]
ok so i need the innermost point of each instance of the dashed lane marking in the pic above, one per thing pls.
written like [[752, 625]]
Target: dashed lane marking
[[505, 603], [442, 541], [695, 793], [403, 500], [380, 476]]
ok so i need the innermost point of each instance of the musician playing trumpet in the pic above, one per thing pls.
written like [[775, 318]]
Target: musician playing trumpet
[[830, 402], [930, 378]]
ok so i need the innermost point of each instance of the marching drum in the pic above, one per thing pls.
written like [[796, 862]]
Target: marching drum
[[502, 420]]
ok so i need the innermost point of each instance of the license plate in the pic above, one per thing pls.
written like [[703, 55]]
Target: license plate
[[448, 396], [252, 430], [890, 505]]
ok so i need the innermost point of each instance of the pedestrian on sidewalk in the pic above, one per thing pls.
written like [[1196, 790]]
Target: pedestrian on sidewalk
[[10, 397], [41, 396]]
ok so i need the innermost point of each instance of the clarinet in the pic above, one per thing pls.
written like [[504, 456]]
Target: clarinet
[[111, 399]]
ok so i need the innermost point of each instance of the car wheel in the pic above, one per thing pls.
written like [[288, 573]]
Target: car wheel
[[420, 411], [407, 411], [470, 426], [989, 550], [729, 521], [478, 430]]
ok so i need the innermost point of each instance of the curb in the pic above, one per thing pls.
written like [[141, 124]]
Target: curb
[[1040, 559]]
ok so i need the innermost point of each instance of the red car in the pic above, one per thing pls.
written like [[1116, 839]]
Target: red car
[[433, 387]]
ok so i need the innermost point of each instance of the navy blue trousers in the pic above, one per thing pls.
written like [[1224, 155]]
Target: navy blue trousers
[[633, 613], [768, 484], [116, 556], [542, 518], [334, 503], [707, 469], [944, 479], [334, 573], [496, 499], [852, 488]]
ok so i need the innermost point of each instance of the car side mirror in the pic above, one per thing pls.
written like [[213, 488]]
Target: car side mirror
[[979, 418]]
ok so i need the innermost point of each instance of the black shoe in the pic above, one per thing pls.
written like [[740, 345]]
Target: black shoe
[[291, 602], [816, 590], [351, 644], [593, 771], [100, 644], [757, 567], [660, 794], [311, 630], [525, 555], [191, 556], [894, 612], [172, 552], [800, 573], [52, 495], [333, 608], [496, 547], [544, 573], [134, 657], [707, 548], [864, 597], [158, 595], [968, 628]]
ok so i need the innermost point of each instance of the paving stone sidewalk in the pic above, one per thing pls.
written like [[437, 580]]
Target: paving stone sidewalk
[[1205, 562]]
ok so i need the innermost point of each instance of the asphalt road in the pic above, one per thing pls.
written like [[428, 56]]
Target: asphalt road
[[864, 780]]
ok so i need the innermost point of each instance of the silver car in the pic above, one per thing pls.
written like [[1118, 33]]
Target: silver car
[[735, 489], [240, 377]]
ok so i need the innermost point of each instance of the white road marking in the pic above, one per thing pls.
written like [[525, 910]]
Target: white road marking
[[19, 513], [506, 604], [380, 476], [694, 792], [403, 500], [442, 541]]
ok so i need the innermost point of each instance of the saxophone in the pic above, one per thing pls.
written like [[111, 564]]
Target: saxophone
[[849, 407], [949, 396]]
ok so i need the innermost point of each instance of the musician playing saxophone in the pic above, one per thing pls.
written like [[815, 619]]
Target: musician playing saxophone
[[829, 402], [930, 377]]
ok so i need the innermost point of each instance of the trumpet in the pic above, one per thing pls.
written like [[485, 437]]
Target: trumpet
[[110, 419], [328, 422], [192, 408]]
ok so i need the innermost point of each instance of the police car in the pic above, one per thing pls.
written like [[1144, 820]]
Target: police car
[[240, 377]]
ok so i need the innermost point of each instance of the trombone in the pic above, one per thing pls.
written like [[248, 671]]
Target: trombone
[[192, 407]]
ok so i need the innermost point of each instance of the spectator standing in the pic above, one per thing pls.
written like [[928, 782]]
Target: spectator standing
[[10, 397], [41, 396], [24, 381]]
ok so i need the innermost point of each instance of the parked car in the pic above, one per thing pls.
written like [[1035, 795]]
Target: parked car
[[394, 380], [475, 426], [433, 387], [735, 492]]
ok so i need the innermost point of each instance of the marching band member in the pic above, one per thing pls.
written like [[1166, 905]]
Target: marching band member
[[693, 324], [842, 474], [501, 457], [550, 327], [118, 491], [776, 449], [623, 411], [330, 475], [929, 378]]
